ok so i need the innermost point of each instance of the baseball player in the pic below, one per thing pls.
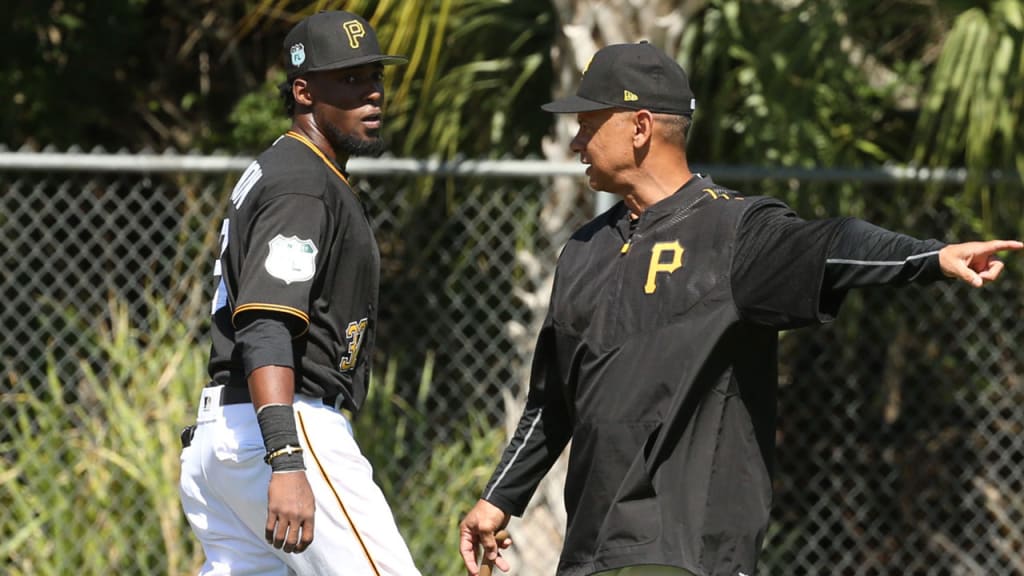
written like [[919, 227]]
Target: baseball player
[[272, 481], [658, 354]]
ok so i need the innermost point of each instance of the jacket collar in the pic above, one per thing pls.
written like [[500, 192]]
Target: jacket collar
[[693, 189], [688, 195]]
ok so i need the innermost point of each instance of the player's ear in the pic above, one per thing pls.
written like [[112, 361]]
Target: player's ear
[[643, 128], [301, 92]]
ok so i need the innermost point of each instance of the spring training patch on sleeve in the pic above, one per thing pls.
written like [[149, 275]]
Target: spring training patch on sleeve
[[291, 259]]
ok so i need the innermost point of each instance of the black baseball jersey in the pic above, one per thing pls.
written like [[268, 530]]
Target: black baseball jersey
[[296, 246], [658, 358]]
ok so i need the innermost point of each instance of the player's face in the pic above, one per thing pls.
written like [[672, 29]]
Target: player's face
[[347, 108], [604, 143]]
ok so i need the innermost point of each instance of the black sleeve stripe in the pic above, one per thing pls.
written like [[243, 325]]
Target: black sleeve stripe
[[274, 308]]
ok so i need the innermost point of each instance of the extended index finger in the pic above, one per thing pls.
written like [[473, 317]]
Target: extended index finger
[[1001, 245]]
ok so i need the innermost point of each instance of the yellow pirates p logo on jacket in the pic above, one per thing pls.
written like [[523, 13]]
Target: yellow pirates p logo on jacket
[[657, 265]]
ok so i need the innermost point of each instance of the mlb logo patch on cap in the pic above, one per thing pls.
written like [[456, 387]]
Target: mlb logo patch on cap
[[298, 52]]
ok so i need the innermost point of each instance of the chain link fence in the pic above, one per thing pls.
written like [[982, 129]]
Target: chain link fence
[[900, 445]]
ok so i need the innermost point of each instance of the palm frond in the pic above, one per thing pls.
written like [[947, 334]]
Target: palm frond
[[973, 106]]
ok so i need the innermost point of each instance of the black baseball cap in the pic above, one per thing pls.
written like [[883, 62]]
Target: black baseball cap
[[332, 39], [635, 76]]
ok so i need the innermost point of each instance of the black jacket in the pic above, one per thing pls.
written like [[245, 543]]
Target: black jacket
[[658, 358]]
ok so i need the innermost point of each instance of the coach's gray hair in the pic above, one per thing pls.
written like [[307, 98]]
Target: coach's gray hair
[[674, 127]]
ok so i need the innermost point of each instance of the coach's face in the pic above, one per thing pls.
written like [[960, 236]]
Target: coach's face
[[347, 108], [604, 143]]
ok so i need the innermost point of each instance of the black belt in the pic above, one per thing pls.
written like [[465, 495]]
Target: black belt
[[238, 395], [234, 395]]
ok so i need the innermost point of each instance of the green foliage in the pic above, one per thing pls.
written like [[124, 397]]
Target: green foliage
[[781, 86], [478, 71], [834, 84], [48, 47], [776, 86], [129, 73], [804, 83], [972, 114], [481, 95], [442, 482], [91, 484], [259, 117], [432, 502], [92, 488]]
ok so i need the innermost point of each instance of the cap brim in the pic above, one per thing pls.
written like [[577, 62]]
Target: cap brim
[[385, 59], [573, 104], [388, 59]]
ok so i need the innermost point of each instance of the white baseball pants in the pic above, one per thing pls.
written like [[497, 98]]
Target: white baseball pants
[[224, 494]]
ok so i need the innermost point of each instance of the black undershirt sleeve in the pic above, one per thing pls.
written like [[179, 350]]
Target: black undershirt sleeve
[[264, 341], [862, 254]]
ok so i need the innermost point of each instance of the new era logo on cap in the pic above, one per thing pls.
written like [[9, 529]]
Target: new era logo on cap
[[333, 39], [635, 76]]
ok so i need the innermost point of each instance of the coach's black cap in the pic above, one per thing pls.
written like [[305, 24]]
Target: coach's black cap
[[635, 76], [332, 39]]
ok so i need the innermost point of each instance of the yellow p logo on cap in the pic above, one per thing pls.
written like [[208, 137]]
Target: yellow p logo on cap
[[355, 31]]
